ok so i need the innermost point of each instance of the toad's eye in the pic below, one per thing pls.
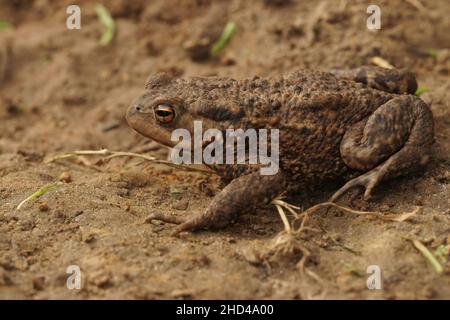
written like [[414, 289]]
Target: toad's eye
[[164, 113]]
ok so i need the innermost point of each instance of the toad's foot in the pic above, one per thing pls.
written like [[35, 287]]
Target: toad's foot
[[394, 141], [242, 194], [389, 80], [368, 181]]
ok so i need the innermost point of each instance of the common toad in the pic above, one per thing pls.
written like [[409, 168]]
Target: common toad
[[363, 125]]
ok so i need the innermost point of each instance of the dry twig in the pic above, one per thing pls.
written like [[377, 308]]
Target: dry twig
[[113, 154]]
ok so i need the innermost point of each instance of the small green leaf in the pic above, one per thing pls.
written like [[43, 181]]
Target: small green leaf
[[174, 191], [429, 256], [442, 252], [5, 25], [16, 109], [353, 270], [105, 18], [420, 90], [227, 33], [433, 52], [39, 193]]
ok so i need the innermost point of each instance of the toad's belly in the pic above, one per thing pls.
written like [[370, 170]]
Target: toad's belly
[[312, 159]]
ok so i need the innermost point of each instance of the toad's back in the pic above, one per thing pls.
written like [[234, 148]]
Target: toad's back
[[312, 110]]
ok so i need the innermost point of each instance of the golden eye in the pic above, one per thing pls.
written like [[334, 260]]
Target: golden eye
[[164, 113]]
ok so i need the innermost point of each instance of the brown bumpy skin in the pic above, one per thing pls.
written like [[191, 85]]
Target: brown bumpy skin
[[359, 123], [389, 80]]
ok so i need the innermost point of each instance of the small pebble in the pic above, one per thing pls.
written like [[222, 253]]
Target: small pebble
[[42, 206], [102, 279], [58, 214], [4, 278], [251, 256], [182, 204], [65, 177], [182, 294], [38, 283], [88, 237]]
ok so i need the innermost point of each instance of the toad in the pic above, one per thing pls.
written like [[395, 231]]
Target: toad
[[362, 126]]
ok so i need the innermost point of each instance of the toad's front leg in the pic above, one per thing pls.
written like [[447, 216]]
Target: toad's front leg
[[395, 140], [241, 195]]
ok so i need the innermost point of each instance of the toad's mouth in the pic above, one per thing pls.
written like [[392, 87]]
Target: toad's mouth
[[145, 126]]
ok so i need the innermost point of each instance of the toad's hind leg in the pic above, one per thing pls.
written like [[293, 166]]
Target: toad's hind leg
[[389, 80], [395, 140], [242, 194]]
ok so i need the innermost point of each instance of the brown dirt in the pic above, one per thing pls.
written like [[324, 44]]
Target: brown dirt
[[62, 91]]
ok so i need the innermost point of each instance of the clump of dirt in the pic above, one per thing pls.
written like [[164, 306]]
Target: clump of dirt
[[61, 90]]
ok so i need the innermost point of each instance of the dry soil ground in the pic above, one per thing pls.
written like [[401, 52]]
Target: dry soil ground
[[61, 90]]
